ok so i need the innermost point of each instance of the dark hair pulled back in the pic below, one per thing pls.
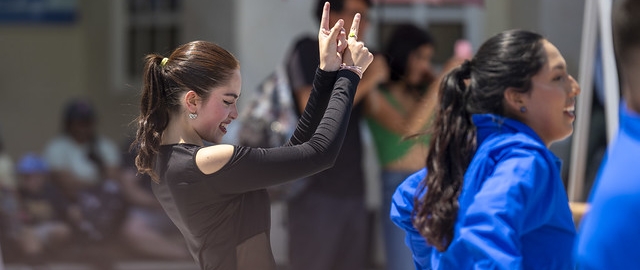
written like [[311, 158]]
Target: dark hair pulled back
[[625, 24], [198, 66], [508, 59], [405, 40]]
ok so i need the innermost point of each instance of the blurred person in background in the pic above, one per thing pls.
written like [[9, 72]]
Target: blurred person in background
[[80, 157], [43, 210], [491, 195], [86, 167], [609, 234], [7, 172], [9, 219], [409, 52], [327, 220]]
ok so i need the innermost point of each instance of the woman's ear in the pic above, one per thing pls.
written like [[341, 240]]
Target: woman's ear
[[514, 102], [191, 101]]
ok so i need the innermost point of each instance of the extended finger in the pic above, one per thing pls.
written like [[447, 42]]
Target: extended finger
[[324, 22], [336, 30], [353, 33]]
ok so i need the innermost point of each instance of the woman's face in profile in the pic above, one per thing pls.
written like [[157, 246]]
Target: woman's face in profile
[[550, 104], [219, 110]]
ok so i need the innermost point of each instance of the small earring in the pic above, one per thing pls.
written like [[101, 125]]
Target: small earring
[[523, 109], [193, 116]]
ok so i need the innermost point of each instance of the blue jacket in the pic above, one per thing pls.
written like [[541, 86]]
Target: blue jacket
[[514, 212], [610, 231]]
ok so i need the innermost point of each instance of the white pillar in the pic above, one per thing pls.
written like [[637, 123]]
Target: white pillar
[[583, 110]]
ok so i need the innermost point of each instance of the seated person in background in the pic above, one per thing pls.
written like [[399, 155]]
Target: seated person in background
[[86, 167], [43, 210], [79, 157], [9, 226], [7, 173]]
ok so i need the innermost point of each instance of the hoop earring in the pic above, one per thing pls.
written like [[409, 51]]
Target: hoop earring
[[193, 116], [523, 109]]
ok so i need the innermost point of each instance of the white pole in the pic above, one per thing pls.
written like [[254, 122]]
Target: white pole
[[579, 141], [611, 86]]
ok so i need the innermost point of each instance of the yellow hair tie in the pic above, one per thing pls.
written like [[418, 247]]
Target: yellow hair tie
[[164, 61]]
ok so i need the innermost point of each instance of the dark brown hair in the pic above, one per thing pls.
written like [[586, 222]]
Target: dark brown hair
[[626, 27], [626, 39], [508, 59], [405, 39], [199, 66]]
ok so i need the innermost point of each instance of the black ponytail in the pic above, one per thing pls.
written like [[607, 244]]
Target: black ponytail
[[451, 148], [154, 116]]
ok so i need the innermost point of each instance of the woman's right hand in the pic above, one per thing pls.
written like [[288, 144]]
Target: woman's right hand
[[356, 54], [330, 53]]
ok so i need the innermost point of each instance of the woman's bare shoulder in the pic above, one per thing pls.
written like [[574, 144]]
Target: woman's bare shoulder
[[211, 159]]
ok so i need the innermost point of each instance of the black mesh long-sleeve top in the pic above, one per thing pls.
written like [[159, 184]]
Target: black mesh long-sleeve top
[[225, 216]]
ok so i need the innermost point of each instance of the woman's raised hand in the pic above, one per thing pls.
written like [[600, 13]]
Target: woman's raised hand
[[336, 49], [330, 51], [356, 54]]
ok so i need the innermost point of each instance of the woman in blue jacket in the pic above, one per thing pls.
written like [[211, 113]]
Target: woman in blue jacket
[[493, 197]]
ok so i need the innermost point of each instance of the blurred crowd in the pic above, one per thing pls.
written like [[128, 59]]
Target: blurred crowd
[[79, 199]]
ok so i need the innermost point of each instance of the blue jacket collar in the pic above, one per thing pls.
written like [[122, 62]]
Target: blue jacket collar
[[487, 124], [629, 120]]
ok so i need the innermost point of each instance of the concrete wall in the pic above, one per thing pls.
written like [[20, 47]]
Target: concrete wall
[[38, 65]]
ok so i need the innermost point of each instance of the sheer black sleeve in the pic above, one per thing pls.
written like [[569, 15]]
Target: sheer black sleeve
[[323, 83], [257, 168]]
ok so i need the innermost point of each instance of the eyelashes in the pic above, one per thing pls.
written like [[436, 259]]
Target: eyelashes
[[560, 78]]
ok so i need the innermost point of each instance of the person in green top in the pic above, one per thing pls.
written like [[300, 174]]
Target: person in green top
[[396, 112]]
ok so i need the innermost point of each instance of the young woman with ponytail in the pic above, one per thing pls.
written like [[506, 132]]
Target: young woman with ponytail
[[493, 197], [216, 194]]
